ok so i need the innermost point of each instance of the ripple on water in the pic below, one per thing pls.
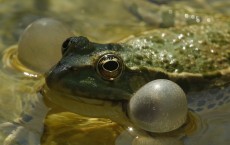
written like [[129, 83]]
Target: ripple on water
[[214, 129]]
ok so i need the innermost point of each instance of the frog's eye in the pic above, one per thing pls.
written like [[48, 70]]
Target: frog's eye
[[109, 66]]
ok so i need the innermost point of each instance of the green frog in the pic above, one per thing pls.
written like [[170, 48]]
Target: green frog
[[196, 57], [98, 80]]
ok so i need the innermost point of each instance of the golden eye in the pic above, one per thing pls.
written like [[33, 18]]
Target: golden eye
[[109, 66]]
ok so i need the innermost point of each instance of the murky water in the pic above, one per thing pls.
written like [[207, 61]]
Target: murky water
[[101, 21]]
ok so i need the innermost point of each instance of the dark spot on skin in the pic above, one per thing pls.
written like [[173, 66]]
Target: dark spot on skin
[[199, 109], [225, 98], [219, 96], [228, 90], [149, 62], [214, 91], [220, 103], [211, 106], [201, 103]]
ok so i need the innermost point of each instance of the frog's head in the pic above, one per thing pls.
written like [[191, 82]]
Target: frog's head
[[90, 70]]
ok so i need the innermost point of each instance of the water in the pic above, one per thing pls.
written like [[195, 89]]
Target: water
[[104, 21]]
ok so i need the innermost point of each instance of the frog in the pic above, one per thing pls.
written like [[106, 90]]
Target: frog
[[97, 80], [89, 74], [196, 57]]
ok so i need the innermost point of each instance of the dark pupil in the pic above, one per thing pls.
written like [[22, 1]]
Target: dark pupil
[[110, 65]]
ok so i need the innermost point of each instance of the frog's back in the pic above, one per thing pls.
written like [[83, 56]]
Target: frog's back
[[193, 49], [197, 57]]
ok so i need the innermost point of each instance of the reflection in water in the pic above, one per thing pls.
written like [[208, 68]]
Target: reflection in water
[[22, 110], [18, 94], [69, 128], [214, 129]]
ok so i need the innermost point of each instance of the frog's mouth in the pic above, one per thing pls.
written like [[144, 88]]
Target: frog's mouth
[[85, 84], [88, 107]]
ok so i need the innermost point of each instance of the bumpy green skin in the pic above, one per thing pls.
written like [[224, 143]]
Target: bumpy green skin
[[194, 49], [197, 57]]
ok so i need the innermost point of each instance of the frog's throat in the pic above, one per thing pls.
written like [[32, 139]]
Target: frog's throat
[[88, 107]]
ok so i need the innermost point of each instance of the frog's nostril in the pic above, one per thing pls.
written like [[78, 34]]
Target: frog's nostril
[[65, 45]]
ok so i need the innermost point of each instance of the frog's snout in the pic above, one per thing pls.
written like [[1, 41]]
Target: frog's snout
[[159, 106], [51, 77]]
